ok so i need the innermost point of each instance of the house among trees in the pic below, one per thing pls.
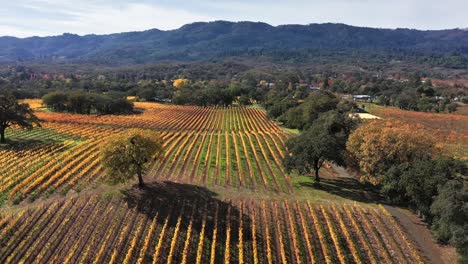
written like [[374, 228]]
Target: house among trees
[[362, 98], [314, 88]]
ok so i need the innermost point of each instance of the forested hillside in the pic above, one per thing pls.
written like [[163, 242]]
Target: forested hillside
[[221, 39]]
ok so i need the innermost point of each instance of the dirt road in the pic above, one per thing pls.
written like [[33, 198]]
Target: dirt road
[[420, 233]]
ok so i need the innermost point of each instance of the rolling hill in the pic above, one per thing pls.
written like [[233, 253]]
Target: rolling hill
[[221, 39]]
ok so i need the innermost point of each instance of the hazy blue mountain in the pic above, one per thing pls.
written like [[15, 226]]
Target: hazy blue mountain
[[221, 39]]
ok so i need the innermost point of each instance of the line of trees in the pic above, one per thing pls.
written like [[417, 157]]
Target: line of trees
[[218, 93], [413, 94], [212, 83], [87, 103], [401, 160]]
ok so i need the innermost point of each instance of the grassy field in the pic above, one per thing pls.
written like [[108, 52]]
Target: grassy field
[[462, 110], [219, 195]]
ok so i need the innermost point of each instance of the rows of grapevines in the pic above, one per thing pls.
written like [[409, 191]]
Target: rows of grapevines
[[234, 147], [236, 159], [50, 158], [177, 118], [201, 229]]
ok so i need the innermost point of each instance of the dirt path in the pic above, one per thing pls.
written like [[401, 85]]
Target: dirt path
[[416, 229], [341, 172], [418, 232]]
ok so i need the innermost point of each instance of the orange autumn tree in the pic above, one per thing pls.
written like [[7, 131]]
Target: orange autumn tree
[[374, 147], [179, 82]]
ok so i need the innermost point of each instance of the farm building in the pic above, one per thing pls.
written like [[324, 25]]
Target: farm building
[[314, 88], [362, 98]]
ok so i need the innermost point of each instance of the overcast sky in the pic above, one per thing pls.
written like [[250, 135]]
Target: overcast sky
[[24, 18]]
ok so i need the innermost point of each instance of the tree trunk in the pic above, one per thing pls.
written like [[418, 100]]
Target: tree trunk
[[316, 170], [141, 184], [2, 135], [317, 177]]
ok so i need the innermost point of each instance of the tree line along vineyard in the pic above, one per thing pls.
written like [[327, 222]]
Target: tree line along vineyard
[[179, 219]]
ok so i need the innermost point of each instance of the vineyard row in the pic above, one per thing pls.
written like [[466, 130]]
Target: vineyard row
[[204, 230]]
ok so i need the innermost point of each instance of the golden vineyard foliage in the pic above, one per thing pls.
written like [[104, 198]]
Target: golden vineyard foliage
[[374, 147], [199, 142], [448, 129], [92, 229], [181, 220]]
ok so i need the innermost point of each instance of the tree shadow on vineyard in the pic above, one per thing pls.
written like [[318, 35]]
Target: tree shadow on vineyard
[[190, 204], [348, 188], [16, 144]]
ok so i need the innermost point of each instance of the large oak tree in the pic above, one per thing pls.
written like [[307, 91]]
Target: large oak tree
[[324, 140], [129, 154], [375, 147], [14, 113]]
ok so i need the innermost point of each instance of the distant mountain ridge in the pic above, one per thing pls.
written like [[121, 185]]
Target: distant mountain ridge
[[221, 39]]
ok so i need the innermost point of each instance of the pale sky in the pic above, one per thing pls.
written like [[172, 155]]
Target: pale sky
[[24, 18]]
